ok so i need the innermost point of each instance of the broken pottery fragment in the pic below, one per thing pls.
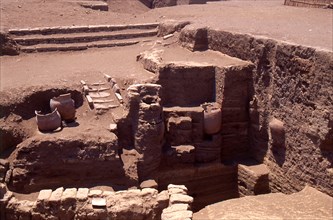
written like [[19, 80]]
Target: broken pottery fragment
[[48, 122]]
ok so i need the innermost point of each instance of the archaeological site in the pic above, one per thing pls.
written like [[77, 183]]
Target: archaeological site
[[166, 109]]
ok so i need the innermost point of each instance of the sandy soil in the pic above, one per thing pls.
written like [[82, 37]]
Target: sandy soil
[[312, 27], [307, 26], [71, 67]]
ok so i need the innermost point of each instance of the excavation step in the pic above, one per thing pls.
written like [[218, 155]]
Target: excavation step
[[75, 46], [80, 29], [82, 37], [253, 178]]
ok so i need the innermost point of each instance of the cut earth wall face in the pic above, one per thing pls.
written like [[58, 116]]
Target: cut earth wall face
[[308, 3], [65, 160], [292, 84]]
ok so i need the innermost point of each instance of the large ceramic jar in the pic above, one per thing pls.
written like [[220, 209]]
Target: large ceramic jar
[[48, 122], [65, 105], [212, 118]]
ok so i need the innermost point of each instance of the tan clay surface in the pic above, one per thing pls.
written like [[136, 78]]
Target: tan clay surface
[[307, 204], [306, 26]]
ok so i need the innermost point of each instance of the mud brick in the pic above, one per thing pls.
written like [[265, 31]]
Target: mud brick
[[82, 194]]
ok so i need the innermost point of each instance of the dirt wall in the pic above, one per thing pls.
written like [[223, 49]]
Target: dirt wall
[[308, 3], [292, 84], [179, 81], [207, 184], [66, 160], [7, 45], [233, 93]]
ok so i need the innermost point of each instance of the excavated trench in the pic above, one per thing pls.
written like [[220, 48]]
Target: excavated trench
[[275, 108]]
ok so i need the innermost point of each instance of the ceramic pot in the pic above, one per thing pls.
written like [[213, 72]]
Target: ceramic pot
[[48, 122], [212, 118], [65, 105]]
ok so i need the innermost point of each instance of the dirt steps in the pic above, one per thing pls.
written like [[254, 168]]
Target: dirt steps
[[77, 29], [81, 37], [103, 95], [76, 46]]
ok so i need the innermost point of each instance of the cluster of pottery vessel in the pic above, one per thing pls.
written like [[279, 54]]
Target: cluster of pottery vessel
[[62, 109]]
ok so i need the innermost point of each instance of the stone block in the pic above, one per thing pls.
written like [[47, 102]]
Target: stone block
[[114, 81], [167, 36], [253, 179], [149, 184], [107, 193], [120, 99], [179, 215], [116, 88], [170, 186], [86, 90], [90, 101], [107, 77], [148, 191], [44, 194], [69, 194], [180, 198], [95, 193], [56, 195], [133, 191], [82, 194], [163, 197], [98, 202], [176, 208], [177, 191]]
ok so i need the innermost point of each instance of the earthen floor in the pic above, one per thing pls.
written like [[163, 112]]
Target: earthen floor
[[268, 18], [63, 68]]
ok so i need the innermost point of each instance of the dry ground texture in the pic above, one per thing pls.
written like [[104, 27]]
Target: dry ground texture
[[306, 26], [270, 18]]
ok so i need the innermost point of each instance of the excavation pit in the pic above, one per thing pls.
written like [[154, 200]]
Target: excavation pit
[[158, 134]]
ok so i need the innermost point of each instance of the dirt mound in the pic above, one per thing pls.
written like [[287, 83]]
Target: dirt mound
[[7, 45]]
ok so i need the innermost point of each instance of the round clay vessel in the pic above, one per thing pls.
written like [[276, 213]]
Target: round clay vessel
[[48, 122], [65, 105], [212, 118]]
